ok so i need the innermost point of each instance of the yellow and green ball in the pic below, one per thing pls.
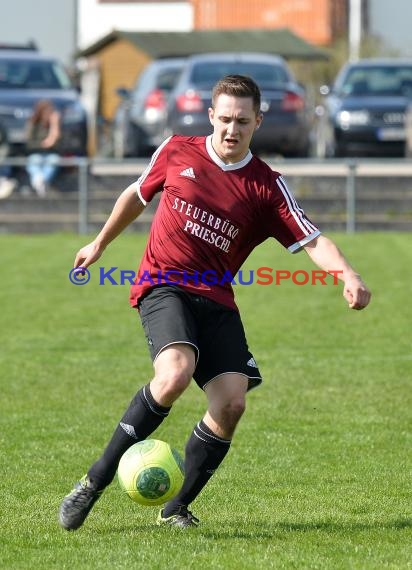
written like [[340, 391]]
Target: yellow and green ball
[[151, 472]]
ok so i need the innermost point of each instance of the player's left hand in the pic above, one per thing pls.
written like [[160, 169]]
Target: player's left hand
[[356, 293]]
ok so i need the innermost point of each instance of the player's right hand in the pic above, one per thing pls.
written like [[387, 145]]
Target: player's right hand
[[88, 255], [356, 293]]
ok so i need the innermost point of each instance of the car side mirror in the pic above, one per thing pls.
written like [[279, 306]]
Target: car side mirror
[[123, 92]]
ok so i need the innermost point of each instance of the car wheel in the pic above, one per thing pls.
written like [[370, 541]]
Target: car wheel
[[340, 150], [304, 151], [134, 146]]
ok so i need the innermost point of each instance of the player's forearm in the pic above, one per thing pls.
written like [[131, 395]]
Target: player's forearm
[[326, 255], [126, 209]]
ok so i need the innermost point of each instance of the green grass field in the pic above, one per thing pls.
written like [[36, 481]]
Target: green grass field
[[319, 474]]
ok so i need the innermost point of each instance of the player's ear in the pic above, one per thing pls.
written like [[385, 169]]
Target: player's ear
[[259, 120], [211, 114]]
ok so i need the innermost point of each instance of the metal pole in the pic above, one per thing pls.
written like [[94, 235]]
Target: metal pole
[[351, 198], [83, 166], [75, 26], [355, 28]]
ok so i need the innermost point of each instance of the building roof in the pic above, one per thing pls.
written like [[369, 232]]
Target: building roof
[[169, 44]]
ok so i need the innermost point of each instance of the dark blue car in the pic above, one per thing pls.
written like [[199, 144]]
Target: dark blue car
[[364, 112], [287, 121], [27, 76]]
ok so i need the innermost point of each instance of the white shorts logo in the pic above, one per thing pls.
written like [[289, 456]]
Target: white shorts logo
[[252, 362]]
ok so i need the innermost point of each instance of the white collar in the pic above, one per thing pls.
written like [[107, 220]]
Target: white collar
[[212, 153]]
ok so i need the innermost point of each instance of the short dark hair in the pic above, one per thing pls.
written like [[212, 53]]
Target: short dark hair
[[237, 86]]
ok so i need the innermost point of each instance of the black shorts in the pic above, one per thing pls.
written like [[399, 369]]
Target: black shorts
[[170, 315]]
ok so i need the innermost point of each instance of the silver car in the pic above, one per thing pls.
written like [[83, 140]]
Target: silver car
[[138, 125]]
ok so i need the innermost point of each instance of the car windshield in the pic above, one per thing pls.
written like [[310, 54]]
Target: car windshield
[[265, 75], [28, 74], [167, 79], [385, 81]]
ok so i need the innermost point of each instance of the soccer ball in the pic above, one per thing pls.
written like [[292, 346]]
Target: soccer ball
[[150, 472]]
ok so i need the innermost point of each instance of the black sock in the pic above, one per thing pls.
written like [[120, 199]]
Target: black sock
[[141, 418], [204, 453]]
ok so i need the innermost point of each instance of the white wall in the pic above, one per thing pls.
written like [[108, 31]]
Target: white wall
[[392, 21], [95, 20]]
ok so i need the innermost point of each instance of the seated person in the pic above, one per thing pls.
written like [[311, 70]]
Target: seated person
[[43, 136]]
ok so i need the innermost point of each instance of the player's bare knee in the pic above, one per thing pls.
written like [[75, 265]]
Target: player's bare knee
[[169, 385], [232, 412]]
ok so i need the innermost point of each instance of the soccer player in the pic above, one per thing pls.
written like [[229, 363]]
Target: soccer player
[[218, 202]]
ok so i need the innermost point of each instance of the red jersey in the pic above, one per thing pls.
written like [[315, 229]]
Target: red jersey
[[210, 217]]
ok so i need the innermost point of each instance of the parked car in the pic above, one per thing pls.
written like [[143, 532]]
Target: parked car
[[286, 125], [26, 76], [138, 125], [364, 111]]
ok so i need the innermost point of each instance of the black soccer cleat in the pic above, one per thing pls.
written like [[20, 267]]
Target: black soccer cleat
[[78, 503], [182, 519]]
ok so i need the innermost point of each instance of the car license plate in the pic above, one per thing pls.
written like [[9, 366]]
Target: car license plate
[[392, 134], [16, 135]]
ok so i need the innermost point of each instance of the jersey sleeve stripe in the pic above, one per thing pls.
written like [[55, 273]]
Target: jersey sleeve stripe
[[139, 194], [298, 245], [305, 225], [149, 167]]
